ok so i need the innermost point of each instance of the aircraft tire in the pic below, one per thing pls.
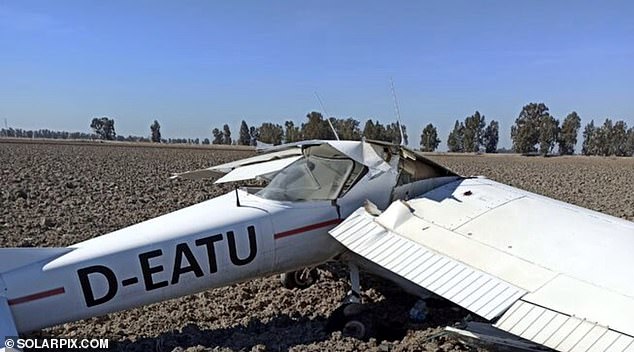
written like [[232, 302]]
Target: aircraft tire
[[353, 320], [301, 279]]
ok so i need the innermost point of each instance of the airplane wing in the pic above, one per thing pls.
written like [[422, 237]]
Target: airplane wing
[[244, 169], [547, 271]]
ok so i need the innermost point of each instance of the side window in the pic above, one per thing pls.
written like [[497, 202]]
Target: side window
[[357, 173], [309, 178]]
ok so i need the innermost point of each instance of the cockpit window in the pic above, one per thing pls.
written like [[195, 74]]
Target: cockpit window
[[309, 178]]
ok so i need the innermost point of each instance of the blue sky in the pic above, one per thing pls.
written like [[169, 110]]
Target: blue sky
[[195, 65]]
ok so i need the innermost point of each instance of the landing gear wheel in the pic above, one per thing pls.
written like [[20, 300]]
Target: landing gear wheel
[[299, 279], [354, 328], [353, 319]]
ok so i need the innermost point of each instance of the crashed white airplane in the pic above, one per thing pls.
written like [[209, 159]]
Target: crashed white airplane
[[543, 270]]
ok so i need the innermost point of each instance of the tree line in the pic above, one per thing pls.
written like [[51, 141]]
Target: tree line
[[316, 127], [44, 133], [535, 131]]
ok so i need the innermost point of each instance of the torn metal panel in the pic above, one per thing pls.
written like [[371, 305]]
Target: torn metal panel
[[227, 167], [217, 170], [362, 153], [252, 171]]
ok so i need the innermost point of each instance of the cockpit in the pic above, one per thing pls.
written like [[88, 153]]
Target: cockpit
[[323, 173], [329, 170]]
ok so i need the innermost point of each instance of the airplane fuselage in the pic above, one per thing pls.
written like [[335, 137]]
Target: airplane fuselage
[[207, 245]]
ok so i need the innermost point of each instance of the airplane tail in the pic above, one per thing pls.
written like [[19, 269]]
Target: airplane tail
[[10, 259], [13, 258]]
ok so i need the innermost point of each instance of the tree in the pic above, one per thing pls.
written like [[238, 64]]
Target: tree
[[347, 129], [226, 133], [473, 132], [393, 133], [271, 133], [456, 137], [568, 134], [602, 139], [491, 137], [155, 128], [374, 130], [608, 139], [630, 142], [429, 139], [104, 128], [370, 130], [254, 134], [245, 137], [316, 127], [589, 146], [548, 134], [206, 141], [618, 139], [291, 132], [219, 137], [525, 131]]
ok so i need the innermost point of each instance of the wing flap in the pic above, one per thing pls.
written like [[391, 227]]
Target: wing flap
[[561, 331], [475, 290]]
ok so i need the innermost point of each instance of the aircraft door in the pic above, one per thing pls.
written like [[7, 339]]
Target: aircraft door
[[301, 234]]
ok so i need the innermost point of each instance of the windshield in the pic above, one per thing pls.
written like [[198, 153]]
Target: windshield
[[309, 178]]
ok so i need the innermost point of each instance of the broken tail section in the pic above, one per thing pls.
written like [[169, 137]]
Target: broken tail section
[[10, 259]]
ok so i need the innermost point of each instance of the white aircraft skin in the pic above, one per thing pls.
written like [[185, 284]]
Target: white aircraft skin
[[507, 255]]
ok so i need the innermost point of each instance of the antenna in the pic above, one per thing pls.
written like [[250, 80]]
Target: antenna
[[397, 112], [327, 118]]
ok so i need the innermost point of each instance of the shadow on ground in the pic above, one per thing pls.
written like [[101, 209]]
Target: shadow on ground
[[278, 334]]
